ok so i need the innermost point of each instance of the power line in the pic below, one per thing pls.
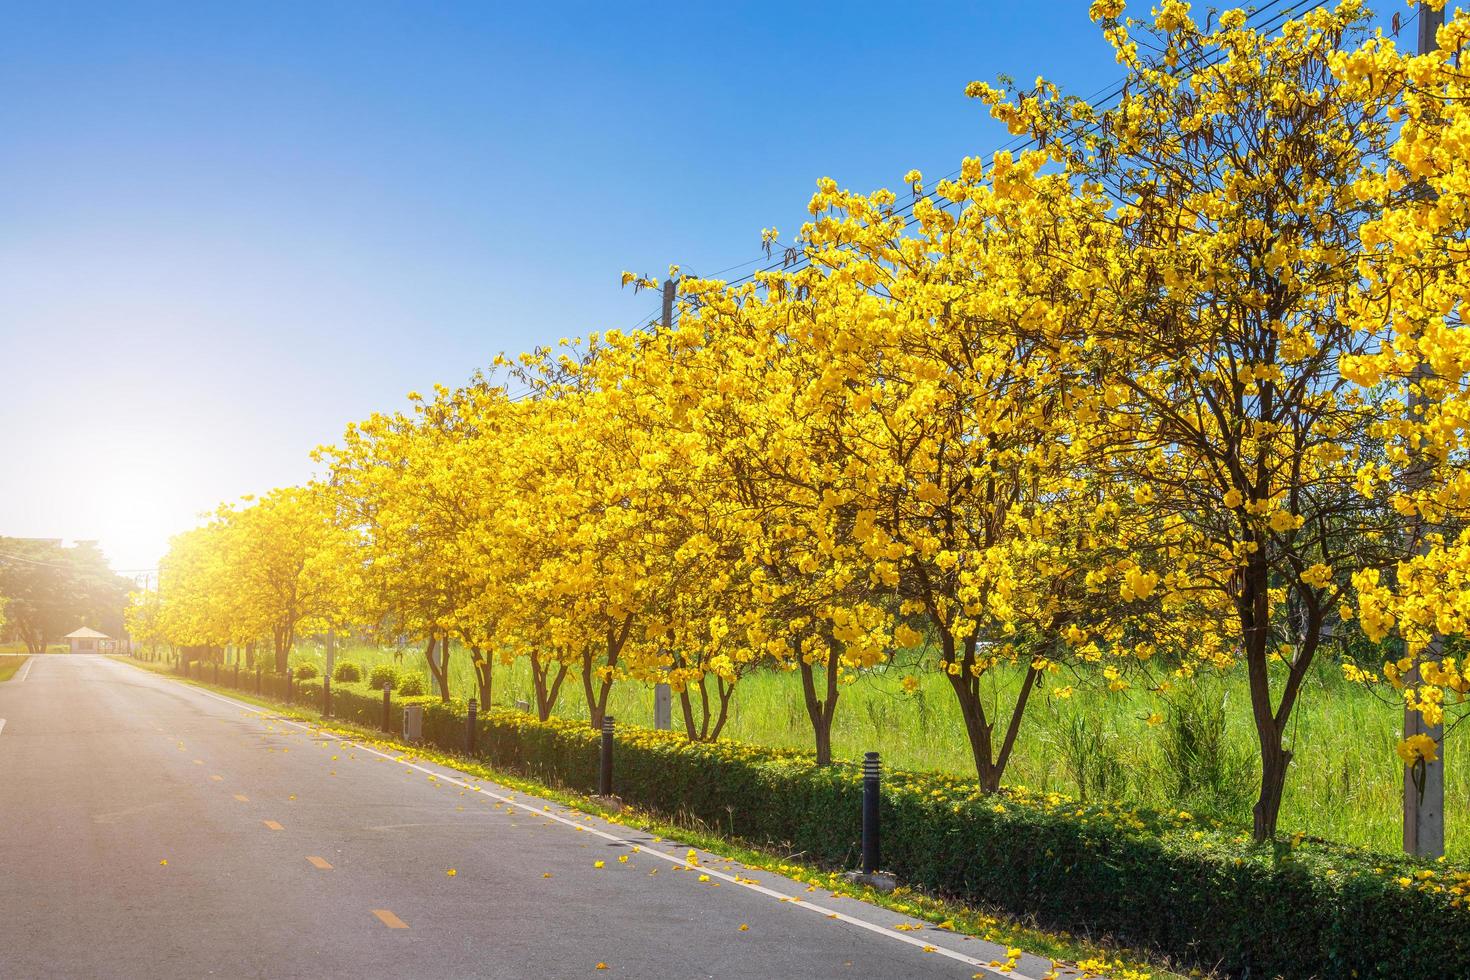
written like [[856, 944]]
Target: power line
[[1106, 94], [1114, 91]]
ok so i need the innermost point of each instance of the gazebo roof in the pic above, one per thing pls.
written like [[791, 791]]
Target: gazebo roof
[[86, 634]]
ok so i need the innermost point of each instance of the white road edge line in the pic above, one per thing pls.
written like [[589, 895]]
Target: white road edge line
[[25, 671], [642, 848], [2, 724]]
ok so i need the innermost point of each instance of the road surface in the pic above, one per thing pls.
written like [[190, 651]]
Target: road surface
[[149, 828]]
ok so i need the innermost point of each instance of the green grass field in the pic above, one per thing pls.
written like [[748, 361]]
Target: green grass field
[[9, 664], [1345, 784]]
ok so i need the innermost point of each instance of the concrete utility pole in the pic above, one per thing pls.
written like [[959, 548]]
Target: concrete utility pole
[[663, 695], [1424, 788]]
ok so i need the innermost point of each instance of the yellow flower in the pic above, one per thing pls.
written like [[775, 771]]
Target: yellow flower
[[1417, 747]]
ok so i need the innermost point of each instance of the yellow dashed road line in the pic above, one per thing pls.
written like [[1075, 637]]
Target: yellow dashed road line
[[272, 825], [242, 797], [389, 919], [319, 863]]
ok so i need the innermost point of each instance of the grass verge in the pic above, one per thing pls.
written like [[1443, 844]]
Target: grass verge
[[9, 665]]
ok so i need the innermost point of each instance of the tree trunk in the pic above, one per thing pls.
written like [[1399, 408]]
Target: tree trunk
[[977, 729], [483, 676], [614, 640], [1270, 716], [1274, 763], [820, 711], [290, 639], [444, 667], [596, 701], [711, 719], [726, 691], [687, 707], [990, 766], [546, 693], [700, 731], [710, 723], [436, 667]]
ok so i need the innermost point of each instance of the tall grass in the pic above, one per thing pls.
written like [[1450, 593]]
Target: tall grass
[[1345, 783]]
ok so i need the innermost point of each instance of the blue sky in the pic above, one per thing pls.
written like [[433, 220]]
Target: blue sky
[[228, 229]]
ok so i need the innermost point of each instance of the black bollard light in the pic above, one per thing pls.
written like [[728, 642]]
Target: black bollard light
[[387, 707], [237, 676], [870, 812], [604, 769], [257, 679], [326, 696], [471, 726], [288, 685], [216, 673]]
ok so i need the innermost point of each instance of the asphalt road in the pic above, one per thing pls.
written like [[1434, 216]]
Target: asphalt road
[[149, 828]]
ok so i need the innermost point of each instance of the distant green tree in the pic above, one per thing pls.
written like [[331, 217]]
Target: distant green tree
[[49, 590]]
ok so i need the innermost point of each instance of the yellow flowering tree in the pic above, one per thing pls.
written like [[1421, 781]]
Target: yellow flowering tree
[[1416, 283], [1218, 321], [775, 420]]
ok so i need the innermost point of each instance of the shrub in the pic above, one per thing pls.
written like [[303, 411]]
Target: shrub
[[411, 685], [346, 672], [382, 674], [304, 671]]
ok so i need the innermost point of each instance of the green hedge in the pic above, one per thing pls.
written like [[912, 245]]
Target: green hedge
[[1201, 894]]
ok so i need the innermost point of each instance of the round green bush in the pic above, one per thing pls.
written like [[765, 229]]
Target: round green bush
[[304, 671], [346, 672], [411, 685], [382, 674]]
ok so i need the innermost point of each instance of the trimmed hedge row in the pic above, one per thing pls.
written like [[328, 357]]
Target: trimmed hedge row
[[1201, 894]]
